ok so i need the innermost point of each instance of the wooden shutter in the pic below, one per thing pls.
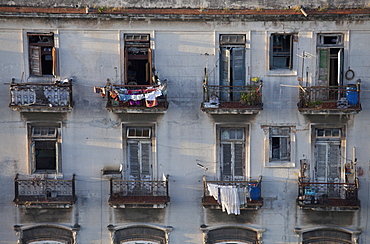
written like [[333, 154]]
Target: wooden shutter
[[58, 155], [133, 156], [334, 162], [238, 66], [321, 162], [291, 52], [340, 67], [226, 160], [238, 159], [32, 157], [126, 66], [323, 66], [145, 161], [284, 148], [35, 60], [149, 67], [225, 73], [54, 55]]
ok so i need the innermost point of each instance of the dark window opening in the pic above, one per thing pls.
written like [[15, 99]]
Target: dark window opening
[[45, 155], [281, 51], [138, 59], [42, 54]]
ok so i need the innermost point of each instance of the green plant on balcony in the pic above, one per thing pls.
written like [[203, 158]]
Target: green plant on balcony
[[315, 104], [249, 98]]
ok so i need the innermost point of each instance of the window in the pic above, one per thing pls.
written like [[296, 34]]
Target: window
[[232, 66], [327, 155], [141, 234], [42, 54], [281, 51], [138, 59], [328, 235], [232, 235], [330, 61], [46, 234], [279, 145], [232, 152], [139, 152], [45, 149]]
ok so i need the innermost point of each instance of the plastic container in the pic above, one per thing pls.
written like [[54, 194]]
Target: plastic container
[[352, 95]]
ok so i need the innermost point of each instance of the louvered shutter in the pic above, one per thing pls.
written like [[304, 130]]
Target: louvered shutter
[[58, 155], [333, 162], [323, 66], [321, 162], [238, 71], [133, 151], [238, 159], [145, 161], [225, 73], [35, 60], [226, 160], [33, 156]]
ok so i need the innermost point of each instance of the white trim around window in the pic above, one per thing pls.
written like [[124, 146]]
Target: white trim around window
[[290, 144]]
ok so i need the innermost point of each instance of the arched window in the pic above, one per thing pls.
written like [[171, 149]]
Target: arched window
[[232, 235], [46, 234], [328, 236], [140, 234]]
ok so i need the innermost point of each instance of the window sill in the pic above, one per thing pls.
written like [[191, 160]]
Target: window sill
[[282, 164], [281, 72]]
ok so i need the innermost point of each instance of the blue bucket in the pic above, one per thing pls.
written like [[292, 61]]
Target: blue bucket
[[352, 95]]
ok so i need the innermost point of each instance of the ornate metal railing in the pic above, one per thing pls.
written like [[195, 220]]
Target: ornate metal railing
[[249, 190], [330, 97], [33, 191], [36, 97], [232, 96], [127, 192], [328, 195]]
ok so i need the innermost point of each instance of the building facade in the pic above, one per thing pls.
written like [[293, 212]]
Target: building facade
[[196, 122]]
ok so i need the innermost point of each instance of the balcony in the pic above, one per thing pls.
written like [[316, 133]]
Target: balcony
[[327, 100], [232, 99], [41, 97], [249, 193], [138, 194], [33, 192], [136, 98], [328, 196]]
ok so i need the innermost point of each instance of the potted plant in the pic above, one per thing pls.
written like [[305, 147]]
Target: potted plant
[[248, 98]]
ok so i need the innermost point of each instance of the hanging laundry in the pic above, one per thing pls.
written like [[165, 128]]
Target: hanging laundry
[[230, 197]]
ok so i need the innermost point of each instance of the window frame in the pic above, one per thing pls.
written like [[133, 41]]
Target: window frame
[[141, 142], [287, 163], [272, 53], [35, 49], [330, 141], [232, 56], [244, 142], [49, 139], [141, 41]]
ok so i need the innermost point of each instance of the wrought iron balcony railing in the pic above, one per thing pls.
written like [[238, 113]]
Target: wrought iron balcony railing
[[330, 99], [41, 97], [328, 196], [136, 98], [35, 192], [232, 99], [249, 193], [138, 194]]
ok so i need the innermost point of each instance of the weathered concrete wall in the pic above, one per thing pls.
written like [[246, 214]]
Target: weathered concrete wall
[[210, 4], [91, 52]]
